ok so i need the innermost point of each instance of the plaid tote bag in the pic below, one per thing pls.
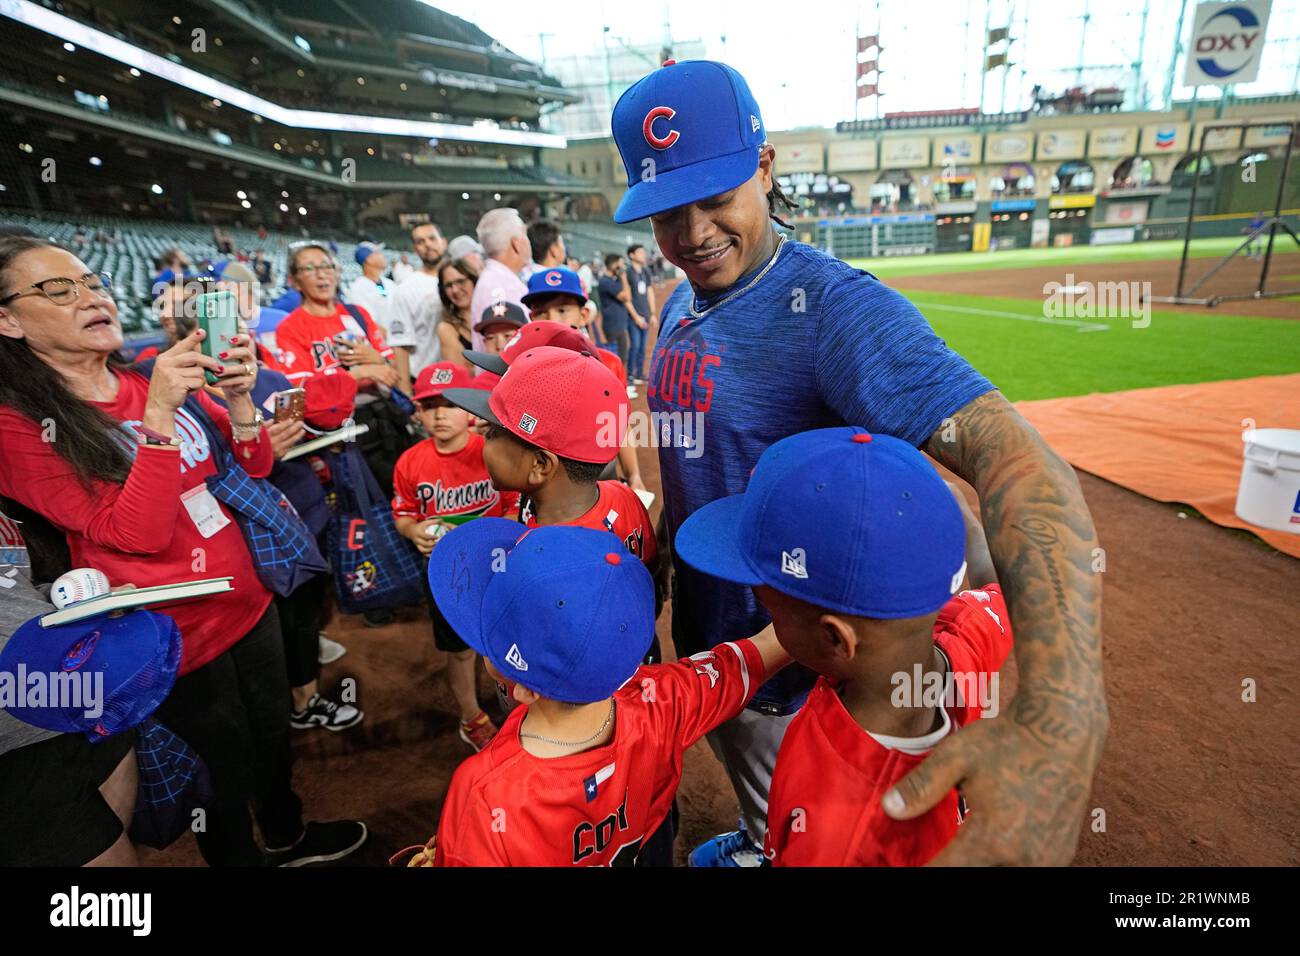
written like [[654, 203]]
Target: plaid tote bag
[[375, 568], [283, 550], [174, 783]]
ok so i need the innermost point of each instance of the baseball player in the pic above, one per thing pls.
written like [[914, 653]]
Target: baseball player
[[584, 772], [869, 597], [769, 337], [439, 483]]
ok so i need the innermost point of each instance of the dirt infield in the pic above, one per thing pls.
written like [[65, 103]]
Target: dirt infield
[[1240, 276]]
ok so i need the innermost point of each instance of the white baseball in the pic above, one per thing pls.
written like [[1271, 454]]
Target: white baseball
[[78, 585]]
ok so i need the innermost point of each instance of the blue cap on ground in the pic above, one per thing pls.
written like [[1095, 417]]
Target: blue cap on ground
[[567, 612], [686, 132], [839, 518]]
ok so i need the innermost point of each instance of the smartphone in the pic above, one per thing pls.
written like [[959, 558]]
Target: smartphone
[[218, 315], [347, 339], [290, 405]]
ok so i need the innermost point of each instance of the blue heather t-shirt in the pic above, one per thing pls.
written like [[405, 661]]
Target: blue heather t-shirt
[[810, 343], [613, 314]]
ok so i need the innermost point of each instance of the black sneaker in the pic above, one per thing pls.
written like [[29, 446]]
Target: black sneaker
[[323, 712], [321, 843]]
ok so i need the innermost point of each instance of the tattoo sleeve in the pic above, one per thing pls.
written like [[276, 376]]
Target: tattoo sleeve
[[1043, 543]]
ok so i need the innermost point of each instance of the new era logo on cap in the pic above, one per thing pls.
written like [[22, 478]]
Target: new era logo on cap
[[794, 563], [516, 659], [527, 424]]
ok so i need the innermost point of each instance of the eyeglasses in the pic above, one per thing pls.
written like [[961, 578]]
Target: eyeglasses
[[323, 269], [62, 291]]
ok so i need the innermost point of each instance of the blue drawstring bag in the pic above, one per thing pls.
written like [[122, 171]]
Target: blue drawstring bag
[[375, 568]]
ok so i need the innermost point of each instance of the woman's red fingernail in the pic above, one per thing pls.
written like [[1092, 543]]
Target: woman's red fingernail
[[223, 355]]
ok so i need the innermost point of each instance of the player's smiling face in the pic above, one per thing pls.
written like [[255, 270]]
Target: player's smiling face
[[717, 240]]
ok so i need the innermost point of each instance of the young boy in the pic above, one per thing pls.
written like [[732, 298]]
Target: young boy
[[557, 418], [439, 483], [584, 772], [498, 324], [556, 295], [862, 593]]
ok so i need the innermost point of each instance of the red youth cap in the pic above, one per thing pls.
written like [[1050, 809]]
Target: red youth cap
[[330, 397], [485, 381], [435, 379], [533, 335], [562, 401]]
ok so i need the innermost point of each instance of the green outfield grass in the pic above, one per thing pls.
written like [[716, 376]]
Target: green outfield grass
[[1028, 357], [888, 267]]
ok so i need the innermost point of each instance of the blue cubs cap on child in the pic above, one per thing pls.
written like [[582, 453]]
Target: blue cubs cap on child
[[686, 132], [568, 612], [839, 518], [548, 282], [127, 663]]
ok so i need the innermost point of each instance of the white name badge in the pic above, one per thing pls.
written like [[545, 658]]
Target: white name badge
[[204, 510], [640, 288], [351, 325]]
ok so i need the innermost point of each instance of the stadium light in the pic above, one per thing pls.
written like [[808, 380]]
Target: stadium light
[[241, 195], [96, 161], [464, 195], [70, 48], [302, 210], [135, 72], [65, 28], [156, 189], [284, 193], [284, 207], [496, 196], [246, 204]]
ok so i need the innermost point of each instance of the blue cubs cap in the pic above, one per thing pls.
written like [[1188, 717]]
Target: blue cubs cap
[[568, 612], [839, 518], [686, 132], [367, 249], [101, 675], [548, 282]]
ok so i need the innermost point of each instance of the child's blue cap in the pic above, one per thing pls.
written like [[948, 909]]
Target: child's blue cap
[[686, 132], [568, 612], [548, 282], [844, 520]]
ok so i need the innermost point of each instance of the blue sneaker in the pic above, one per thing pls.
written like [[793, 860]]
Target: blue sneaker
[[728, 849]]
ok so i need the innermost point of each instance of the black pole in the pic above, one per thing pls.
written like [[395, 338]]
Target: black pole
[[1191, 212], [1277, 208]]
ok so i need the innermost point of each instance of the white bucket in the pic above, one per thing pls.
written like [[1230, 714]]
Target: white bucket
[[1269, 494]]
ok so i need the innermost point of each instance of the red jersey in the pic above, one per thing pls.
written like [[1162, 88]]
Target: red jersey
[[430, 484], [613, 363], [507, 807], [305, 342], [160, 527], [619, 510], [824, 804]]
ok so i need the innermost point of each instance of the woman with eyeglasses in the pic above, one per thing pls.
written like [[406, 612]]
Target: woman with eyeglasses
[[114, 461], [325, 333], [456, 279]]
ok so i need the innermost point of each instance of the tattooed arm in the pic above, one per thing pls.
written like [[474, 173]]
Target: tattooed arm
[[1027, 774]]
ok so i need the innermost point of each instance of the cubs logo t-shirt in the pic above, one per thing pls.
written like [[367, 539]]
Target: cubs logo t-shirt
[[804, 341]]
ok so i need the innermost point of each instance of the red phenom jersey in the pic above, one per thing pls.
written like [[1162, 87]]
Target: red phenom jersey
[[507, 807], [619, 510], [305, 342], [824, 804], [430, 484]]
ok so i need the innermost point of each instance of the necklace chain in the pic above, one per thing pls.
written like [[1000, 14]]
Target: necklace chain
[[780, 244], [574, 743]]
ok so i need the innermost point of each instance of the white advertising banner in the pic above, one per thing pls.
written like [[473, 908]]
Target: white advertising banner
[[1227, 42]]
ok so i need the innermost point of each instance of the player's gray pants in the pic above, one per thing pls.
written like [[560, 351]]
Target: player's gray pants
[[747, 746]]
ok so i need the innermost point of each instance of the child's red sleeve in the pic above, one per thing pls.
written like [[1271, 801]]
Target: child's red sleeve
[[706, 689]]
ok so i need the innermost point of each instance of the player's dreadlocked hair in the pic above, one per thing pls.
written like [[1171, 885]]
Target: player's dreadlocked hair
[[778, 202]]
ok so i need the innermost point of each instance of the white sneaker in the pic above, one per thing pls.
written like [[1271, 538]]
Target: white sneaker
[[631, 391], [330, 651]]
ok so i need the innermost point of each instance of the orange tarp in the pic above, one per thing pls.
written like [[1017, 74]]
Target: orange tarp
[[1174, 443]]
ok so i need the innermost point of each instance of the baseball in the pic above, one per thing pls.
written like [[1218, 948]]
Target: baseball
[[78, 585]]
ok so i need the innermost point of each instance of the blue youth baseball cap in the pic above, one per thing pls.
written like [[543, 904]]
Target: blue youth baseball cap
[[367, 249], [839, 518], [686, 132], [99, 676], [568, 612], [548, 282]]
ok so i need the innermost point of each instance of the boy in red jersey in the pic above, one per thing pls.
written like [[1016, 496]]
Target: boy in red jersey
[[439, 483], [558, 417], [583, 773], [867, 596]]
